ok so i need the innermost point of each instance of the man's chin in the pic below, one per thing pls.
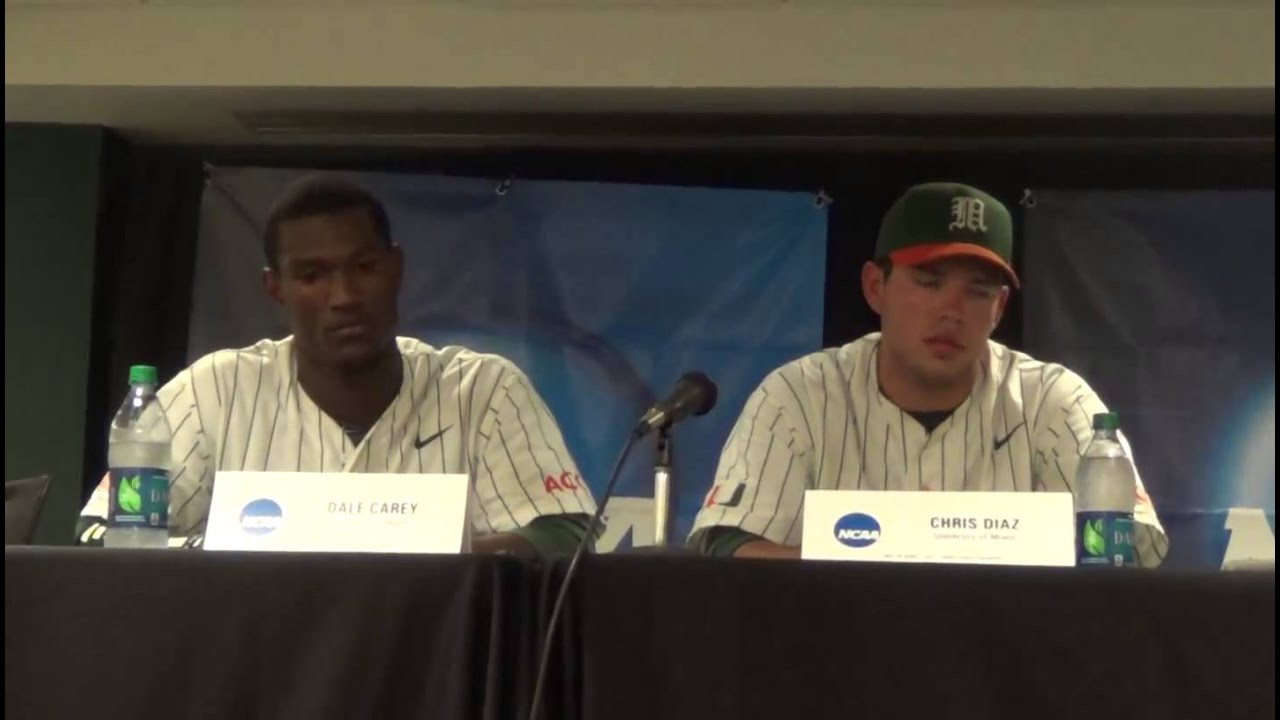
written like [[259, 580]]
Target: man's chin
[[945, 373], [353, 356]]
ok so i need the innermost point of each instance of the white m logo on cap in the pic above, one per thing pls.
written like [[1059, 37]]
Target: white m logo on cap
[[968, 213]]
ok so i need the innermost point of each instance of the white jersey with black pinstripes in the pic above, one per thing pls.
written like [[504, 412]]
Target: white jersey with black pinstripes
[[457, 412], [821, 422]]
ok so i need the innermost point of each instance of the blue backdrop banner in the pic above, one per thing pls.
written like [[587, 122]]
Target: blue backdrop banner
[[1165, 303], [604, 294]]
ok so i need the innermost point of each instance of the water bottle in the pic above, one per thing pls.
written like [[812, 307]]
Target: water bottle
[[1106, 488], [138, 461]]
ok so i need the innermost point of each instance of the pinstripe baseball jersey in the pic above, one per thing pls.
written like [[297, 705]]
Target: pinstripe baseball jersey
[[457, 412], [821, 423]]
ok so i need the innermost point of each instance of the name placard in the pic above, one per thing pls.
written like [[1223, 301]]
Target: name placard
[[987, 528], [339, 512]]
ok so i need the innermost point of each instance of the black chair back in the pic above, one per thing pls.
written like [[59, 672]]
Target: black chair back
[[23, 501]]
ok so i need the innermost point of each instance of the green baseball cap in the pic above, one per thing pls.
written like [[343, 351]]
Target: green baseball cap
[[942, 219]]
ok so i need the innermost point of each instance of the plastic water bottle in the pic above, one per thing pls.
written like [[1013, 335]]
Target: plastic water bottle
[[1106, 488], [138, 461]]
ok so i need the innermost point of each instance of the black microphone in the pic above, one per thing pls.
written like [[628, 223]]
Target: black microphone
[[694, 394]]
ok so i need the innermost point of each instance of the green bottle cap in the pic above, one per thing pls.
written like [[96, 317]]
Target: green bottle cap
[[142, 374], [1106, 421]]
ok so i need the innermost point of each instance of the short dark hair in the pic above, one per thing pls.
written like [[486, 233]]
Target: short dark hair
[[885, 265], [320, 195]]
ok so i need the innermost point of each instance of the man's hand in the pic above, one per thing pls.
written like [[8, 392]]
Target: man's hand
[[767, 549], [507, 543]]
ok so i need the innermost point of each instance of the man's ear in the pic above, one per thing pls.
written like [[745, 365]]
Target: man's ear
[[873, 280], [271, 284], [1001, 302], [397, 259]]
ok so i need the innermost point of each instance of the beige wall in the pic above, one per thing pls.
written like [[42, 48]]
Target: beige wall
[[616, 43]]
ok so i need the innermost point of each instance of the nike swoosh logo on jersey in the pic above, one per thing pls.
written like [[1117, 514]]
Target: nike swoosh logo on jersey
[[1001, 443], [422, 442]]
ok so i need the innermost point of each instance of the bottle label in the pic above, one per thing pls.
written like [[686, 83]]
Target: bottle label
[[139, 497], [1104, 538]]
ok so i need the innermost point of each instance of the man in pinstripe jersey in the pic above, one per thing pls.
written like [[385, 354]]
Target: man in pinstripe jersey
[[929, 403], [344, 394]]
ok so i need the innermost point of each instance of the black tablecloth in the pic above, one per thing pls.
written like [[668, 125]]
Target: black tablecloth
[[172, 634], [169, 634], [680, 638]]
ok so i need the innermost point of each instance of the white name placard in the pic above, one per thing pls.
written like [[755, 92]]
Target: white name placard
[[339, 512], [988, 528]]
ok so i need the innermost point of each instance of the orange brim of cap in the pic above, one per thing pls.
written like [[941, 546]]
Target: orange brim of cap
[[921, 254]]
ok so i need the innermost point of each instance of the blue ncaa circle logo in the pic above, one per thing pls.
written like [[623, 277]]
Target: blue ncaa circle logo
[[857, 530], [261, 516]]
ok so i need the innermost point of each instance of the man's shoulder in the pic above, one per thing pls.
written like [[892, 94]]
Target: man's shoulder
[[804, 381], [1034, 379], [843, 360], [264, 357], [466, 366]]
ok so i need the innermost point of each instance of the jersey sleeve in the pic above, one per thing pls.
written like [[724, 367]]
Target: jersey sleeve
[[523, 469], [194, 401], [764, 469], [1063, 427]]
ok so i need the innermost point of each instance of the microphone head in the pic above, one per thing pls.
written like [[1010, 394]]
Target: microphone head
[[694, 394], [701, 391]]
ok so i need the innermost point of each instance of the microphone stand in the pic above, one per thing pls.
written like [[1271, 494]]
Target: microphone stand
[[664, 501], [698, 388], [662, 488]]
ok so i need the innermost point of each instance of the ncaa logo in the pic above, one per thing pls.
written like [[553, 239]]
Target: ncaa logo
[[261, 516], [857, 530]]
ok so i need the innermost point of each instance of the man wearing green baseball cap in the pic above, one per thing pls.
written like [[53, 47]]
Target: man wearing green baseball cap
[[929, 403]]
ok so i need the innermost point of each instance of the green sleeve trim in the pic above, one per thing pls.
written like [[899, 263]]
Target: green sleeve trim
[[721, 541], [556, 534]]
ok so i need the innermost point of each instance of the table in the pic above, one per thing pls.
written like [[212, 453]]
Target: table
[[741, 639], [92, 633]]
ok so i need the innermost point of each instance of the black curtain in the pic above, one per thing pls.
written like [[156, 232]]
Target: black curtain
[[142, 286]]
